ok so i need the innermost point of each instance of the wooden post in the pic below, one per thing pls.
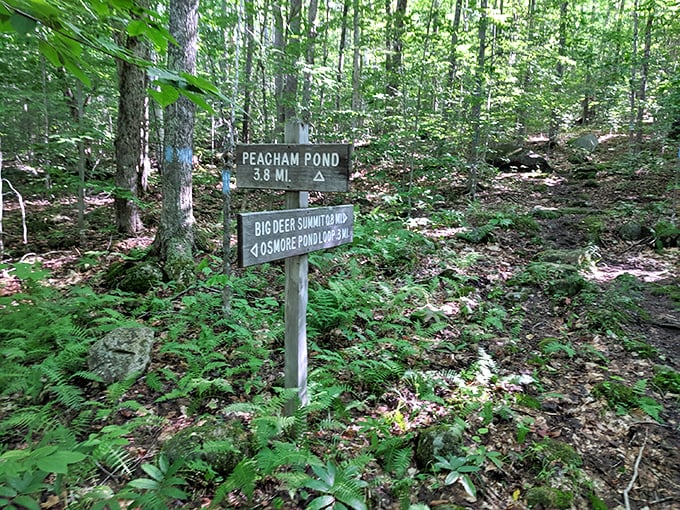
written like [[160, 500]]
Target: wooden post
[[296, 294]]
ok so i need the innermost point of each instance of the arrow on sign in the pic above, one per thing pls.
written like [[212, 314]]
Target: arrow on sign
[[253, 250], [319, 177]]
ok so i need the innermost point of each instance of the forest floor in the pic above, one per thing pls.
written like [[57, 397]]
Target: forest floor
[[593, 364]]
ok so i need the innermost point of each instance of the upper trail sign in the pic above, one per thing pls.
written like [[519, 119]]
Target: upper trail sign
[[294, 167]]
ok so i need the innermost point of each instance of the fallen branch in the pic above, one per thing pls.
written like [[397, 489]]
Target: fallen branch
[[23, 210], [635, 475]]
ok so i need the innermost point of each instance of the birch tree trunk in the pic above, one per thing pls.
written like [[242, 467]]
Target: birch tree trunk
[[175, 237]]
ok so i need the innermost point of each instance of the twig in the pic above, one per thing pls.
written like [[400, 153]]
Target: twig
[[635, 475], [23, 210]]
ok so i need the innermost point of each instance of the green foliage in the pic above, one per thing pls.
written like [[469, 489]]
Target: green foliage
[[340, 487], [666, 379], [458, 469], [624, 398], [160, 490], [24, 473], [549, 497], [549, 456], [666, 234]]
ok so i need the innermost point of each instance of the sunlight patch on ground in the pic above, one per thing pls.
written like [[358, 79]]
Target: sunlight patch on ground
[[646, 269]]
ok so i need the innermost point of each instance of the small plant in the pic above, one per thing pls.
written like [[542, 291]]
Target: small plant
[[24, 474], [550, 455], [623, 398], [340, 488], [548, 497], [459, 469], [666, 379], [159, 490]]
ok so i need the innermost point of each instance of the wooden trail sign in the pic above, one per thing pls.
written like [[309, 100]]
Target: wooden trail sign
[[272, 235], [294, 167]]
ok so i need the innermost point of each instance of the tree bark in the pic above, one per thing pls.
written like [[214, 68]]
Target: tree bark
[[131, 144], [555, 121], [476, 110], [341, 53], [644, 74], [453, 53], [309, 59], [356, 67], [248, 70], [395, 50], [175, 237]]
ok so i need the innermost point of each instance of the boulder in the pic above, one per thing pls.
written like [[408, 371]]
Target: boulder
[[138, 277], [121, 353], [588, 142], [219, 444], [438, 441], [513, 158]]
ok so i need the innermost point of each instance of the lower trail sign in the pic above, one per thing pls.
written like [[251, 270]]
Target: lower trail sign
[[272, 235]]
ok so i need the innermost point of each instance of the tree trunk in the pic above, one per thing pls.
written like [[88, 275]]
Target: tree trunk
[[131, 138], [644, 74], [395, 50], [175, 237], [476, 110], [293, 46], [248, 70], [356, 68], [555, 121], [280, 71], [453, 53], [341, 53], [307, 83], [521, 117]]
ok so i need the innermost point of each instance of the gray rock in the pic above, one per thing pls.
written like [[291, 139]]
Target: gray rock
[[633, 231], [440, 440], [587, 142], [508, 157], [220, 444], [121, 353]]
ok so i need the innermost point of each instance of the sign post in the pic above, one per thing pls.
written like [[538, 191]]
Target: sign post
[[295, 370], [297, 167]]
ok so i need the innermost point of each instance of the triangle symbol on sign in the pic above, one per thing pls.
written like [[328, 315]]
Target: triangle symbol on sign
[[319, 177]]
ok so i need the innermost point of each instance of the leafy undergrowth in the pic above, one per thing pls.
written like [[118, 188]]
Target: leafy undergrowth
[[522, 318]]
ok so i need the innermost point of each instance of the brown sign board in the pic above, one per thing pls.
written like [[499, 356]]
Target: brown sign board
[[272, 235], [294, 167]]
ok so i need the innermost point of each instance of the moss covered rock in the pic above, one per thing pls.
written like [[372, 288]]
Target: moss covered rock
[[548, 498], [440, 440], [219, 444]]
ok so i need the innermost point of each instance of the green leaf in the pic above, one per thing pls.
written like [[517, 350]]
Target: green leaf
[[165, 96], [27, 502], [153, 472], [136, 27], [469, 486], [144, 483], [59, 461], [174, 493], [200, 83], [22, 24], [321, 502], [50, 53], [197, 99], [73, 68]]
